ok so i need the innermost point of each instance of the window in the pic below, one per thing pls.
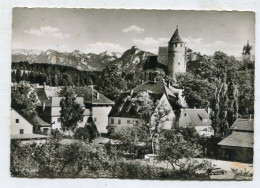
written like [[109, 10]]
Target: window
[[175, 45], [95, 119], [58, 119], [21, 131], [112, 121], [45, 130], [181, 45], [179, 63], [128, 121], [119, 121], [17, 121], [185, 114]]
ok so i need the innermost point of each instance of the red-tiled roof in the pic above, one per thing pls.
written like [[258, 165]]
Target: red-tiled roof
[[243, 125], [239, 139]]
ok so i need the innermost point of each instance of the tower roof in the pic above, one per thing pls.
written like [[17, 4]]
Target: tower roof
[[176, 37], [247, 48]]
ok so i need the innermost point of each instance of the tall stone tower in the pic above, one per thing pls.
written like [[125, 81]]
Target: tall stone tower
[[176, 55]]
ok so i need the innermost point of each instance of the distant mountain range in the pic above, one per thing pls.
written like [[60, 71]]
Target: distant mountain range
[[128, 61]]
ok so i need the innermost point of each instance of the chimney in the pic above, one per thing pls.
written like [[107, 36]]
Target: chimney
[[168, 83], [209, 110], [97, 96], [44, 85], [194, 107], [154, 80], [131, 92], [43, 106], [250, 116]]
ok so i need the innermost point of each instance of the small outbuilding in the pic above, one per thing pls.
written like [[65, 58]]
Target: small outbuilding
[[238, 146]]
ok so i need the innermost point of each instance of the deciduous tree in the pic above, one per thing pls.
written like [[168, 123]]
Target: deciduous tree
[[71, 112]]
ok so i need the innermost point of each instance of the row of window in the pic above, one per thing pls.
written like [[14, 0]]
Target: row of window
[[176, 45], [119, 121]]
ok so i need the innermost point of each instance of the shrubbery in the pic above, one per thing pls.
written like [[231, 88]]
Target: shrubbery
[[79, 159]]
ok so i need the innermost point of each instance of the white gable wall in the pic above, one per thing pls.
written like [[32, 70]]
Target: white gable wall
[[18, 122], [100, 116], [169, 119]]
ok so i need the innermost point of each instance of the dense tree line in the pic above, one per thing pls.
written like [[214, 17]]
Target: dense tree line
[[111, 82], [53, 75], [205, 73]]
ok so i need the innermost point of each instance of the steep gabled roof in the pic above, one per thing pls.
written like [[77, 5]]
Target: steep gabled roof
[[243, 125], [124, 107], [158, 87], [198, 116], [41, 94], [92, 96], [176, 37], [42, 123]]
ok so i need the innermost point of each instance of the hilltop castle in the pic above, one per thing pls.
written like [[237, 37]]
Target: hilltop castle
[[171, 59]]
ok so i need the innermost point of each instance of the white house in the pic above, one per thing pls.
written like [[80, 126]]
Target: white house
[[22, 130]]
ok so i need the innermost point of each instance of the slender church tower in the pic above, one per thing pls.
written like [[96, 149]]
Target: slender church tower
[[247, 52], [176, 55]]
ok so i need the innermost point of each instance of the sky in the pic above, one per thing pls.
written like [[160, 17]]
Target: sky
[[99, 30]]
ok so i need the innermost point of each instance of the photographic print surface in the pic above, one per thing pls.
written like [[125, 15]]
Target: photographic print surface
[[132, 94]]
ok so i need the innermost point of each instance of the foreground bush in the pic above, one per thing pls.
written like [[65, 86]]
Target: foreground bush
[[79, 159]]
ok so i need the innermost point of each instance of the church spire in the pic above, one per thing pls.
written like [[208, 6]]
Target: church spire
[[176, 37]]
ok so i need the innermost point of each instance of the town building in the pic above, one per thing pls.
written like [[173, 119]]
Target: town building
[[124, 111], [238, 146], [247, 53], [22, 130], [93, 102], [171, 59]]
